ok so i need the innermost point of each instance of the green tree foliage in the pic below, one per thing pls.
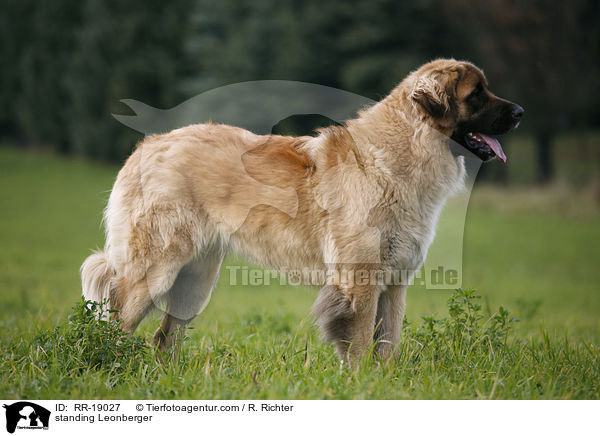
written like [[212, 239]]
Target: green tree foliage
[[37, 39], [124, 50], [364, 47], [69, 64], [66, 64]]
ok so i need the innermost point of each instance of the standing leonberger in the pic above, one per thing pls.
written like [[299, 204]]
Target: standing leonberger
[[359, 198]]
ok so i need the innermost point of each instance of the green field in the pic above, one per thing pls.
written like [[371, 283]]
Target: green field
[[532, 251]]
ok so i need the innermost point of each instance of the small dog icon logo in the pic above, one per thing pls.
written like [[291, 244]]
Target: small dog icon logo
[[26, 415]]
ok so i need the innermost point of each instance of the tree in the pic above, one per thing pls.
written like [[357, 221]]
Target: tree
[[128, 49], [36, 42], [67, 64], [363, 47]]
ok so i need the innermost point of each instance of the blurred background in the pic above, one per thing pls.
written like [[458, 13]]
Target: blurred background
[[66, 64], [532, 231]]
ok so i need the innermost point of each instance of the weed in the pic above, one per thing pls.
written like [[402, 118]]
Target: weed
[[88, 341], [463, 355]]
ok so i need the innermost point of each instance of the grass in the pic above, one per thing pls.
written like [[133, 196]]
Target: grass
[[537, 258]]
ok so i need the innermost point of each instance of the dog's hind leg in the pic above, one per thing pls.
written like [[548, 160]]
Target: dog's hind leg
[[149, 250], [134, 299], [189, 295]]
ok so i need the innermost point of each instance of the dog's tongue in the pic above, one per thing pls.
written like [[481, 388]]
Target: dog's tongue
[[494, 145]]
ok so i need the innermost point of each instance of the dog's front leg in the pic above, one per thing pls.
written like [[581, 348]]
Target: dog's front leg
[[347, 318], [388, 324]]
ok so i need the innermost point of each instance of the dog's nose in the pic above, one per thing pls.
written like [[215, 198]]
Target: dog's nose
[[517, 112]]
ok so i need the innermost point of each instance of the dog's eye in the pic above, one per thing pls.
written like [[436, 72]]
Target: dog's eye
[[477, 91]]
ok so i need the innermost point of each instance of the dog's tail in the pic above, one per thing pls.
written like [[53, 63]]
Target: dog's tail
[[97, 278]]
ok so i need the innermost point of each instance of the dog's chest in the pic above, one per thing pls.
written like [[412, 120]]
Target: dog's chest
[[405, 249], [405, 239], [411, 222]]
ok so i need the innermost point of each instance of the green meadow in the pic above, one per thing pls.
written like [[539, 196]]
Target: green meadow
[[532, 251]]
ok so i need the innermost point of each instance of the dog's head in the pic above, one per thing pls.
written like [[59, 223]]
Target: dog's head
[[455, 97]]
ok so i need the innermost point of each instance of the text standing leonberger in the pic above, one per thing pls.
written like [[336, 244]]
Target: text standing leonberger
[[357, 198]]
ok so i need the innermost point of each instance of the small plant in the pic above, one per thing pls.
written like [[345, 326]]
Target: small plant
[[499, 327], [90, 340], [464, 331]]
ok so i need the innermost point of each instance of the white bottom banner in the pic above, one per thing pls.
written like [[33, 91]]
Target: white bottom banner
[[259, 417]]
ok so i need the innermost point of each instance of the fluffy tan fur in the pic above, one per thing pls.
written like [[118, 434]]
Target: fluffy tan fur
[[361, 197]]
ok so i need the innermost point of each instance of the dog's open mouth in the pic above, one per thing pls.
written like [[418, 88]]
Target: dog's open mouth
[[484, 146]]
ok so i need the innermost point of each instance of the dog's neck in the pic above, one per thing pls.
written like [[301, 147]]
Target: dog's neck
[[394, 138], [395, 143]]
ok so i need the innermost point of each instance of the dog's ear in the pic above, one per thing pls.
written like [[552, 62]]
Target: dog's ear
[[434, 94]]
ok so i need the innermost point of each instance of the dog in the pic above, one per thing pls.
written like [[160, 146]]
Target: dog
[[357, 198]]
